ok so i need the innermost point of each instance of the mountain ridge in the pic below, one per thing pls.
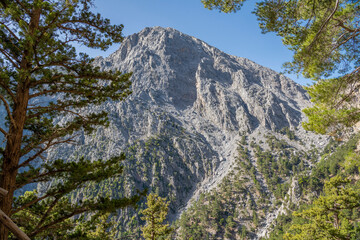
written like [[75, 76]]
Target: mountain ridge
[[190, 106], [239, 79]]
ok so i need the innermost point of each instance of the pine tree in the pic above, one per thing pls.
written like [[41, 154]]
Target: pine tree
[[330, 215], [97, 228], [154, 215], [43, 78], [324, 37]]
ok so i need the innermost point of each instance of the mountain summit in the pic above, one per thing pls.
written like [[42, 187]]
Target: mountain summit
[[191, 105], [174, 69]]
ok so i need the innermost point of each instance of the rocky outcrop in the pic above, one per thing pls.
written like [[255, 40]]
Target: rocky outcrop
[[189, 106]]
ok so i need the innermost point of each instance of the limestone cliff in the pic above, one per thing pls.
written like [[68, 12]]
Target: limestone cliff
[[190, 106]]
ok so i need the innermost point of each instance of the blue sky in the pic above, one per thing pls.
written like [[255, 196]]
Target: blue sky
[[236, 34]]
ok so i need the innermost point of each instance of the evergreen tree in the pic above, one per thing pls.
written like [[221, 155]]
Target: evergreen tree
[[331, 215], [325, 38], [155, 215], [98, 228], [42, 78], [255, 219]]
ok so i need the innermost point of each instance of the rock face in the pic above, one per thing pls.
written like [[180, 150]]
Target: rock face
[[189, 106], [177, 71]]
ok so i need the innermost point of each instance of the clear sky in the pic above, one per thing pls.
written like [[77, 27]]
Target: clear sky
[[236, 33]]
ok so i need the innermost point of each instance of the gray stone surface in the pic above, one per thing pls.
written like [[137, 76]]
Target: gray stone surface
[[198, 102]]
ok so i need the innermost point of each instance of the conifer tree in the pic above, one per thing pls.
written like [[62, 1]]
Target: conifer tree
[[154, 215], [43, 78], [325, 38], [331, 215]]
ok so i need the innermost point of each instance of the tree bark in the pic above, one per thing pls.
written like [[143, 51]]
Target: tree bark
[[3, 192], [12, 153], [12, 156], [6, 221]]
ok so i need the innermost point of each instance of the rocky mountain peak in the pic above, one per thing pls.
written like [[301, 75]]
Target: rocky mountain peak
[[172, 68], [191, 105]]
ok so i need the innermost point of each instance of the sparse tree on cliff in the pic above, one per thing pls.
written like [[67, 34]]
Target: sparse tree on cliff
[[154, 215]]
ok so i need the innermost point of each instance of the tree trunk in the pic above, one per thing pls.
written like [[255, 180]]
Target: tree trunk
[[14, 139], [5, 220], [12, 157]]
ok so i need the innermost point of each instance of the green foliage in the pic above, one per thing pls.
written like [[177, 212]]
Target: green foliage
[[42, 79], [337, 169], [223, 5], [351, 163], [195, 222], [233, 210], [330, 216], [343, 159], [278, 164], [154, 215], [95, 227], [238, 206], [290, 134], [148, 164], [281, 224], [275, 143], [324, 37], [58, 211], [331, 113]]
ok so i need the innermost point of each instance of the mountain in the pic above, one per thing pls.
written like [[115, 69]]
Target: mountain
[[193, 111]]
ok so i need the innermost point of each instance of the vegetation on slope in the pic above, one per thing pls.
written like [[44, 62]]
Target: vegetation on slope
[[324, 37], [240, 204], [329, 202]]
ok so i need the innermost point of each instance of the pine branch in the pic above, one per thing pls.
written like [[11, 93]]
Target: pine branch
[[46, 214], [46, 174], [75, 212], [351, 77], [57, 108], [352, 36], [4, 3], [7, 89], [55, 63], [323, 25], [23, 7], [87, 23], [342, 25], [30, 147], [101, 205], [8, 111], [3, 132], [29, 204], [41, 151], [10, 58], [51, 24], [13, 34], [55, 91]]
